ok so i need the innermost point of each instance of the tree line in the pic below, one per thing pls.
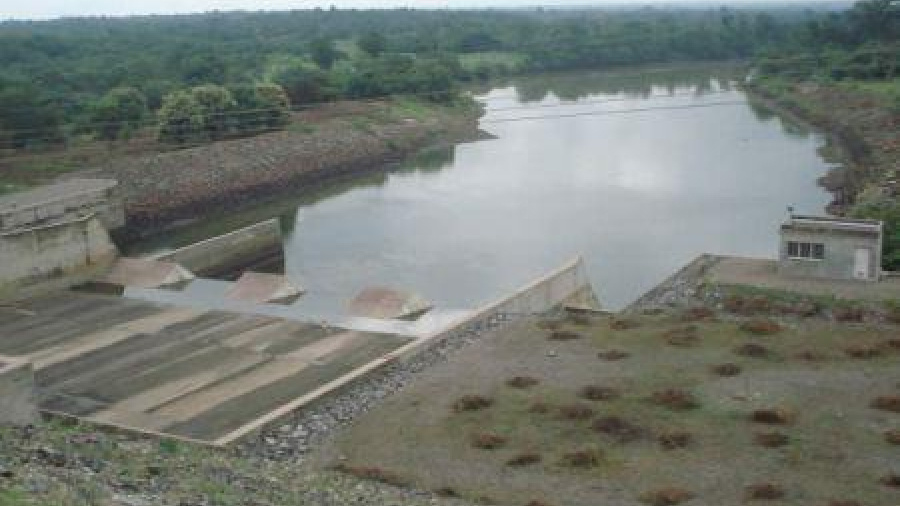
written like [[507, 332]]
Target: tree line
[[196, 77]]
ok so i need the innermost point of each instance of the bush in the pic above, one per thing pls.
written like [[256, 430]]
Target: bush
[[598, 393], [488, 441], [681, 336], [563, 335], [764, 492], [669, 496], [471, 403], [752, 350], [771, 439], [521, 382], [892, 436], [774, 416], [582, 458], [675, 399], [612, 355], [761, 327], [887, 403], [674, 440], [575, 412], [524, 459], [621, 430], [727, 369], [372, 473]]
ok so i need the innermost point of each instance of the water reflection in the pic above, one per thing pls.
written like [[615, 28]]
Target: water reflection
[[639, 193]]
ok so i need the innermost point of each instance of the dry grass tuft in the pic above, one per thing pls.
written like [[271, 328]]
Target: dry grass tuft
[[522, 382], [764, 492], [887, 403], [622, 324], [775, 416], [675, 399], [811, 356], [581, 459], [575, 412], [803, 308], [539, 408], [682, 336], [622, 430], [669, 496], [761, 327], [697, 313], [535, 502], [372, 473], [472, 403], [488, 441], [848, 314], [726, 369], [890, 480], [598, 393], [563, 335], [892, 436], [844, 503], [890, 344], [860, 351], [674, 440], [612, 355], [771, 439], [524, 459], [446, 492], [754, 350]]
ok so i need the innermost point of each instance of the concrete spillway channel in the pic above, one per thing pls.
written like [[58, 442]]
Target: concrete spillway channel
[[163, 369]]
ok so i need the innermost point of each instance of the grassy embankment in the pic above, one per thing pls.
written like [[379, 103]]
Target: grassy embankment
[[773, 398], [862, 120]]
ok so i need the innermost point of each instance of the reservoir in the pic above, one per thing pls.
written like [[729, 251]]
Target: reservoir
[[639, 171]]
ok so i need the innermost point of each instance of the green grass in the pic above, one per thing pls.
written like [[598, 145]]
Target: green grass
[[511, 62]]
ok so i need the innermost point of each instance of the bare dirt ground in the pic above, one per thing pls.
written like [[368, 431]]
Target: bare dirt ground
[[686, 406]]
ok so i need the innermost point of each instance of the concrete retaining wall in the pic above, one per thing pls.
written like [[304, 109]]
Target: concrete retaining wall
[[76, 198], [226, 253], [32, 255], [17, 395]]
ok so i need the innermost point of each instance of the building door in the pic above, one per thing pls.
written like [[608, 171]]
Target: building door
[[861, 263]]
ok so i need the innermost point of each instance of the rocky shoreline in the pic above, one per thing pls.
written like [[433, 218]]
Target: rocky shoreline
[[167, 189]]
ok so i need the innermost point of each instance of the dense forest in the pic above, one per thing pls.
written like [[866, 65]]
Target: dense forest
[[203, 77]]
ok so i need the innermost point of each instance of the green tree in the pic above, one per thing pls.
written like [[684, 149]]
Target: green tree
[[200, 113], [304, 85], [373, 43], [118, 113], [323, 52]]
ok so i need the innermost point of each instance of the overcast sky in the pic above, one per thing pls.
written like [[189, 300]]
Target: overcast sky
[[43, 9]]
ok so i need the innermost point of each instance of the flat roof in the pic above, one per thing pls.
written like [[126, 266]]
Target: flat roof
[[833, 223], [53, 193]]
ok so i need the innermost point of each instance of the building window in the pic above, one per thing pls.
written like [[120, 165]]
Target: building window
[[806, 250]]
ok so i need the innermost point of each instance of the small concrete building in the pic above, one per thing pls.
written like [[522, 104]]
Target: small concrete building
[[831, 248]]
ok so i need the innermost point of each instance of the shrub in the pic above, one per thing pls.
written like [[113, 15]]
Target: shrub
[[848, 314], [887, 403], [488, 441], [535, 502], [844, 503], [752, 350], [582, 458], [764, 492], [612, 355], [859, 351], [771, 439], [549, 324], [579, 319], [446, 492], [892, 436], [727, 369], [618, 428], [681, 336], [471, 403], [563, 335], [575, 412], [539, 407], [521, 382], [669, 496], [891, 480], [598, 393], [674, 440], [524, 459], [696, 313], [775, 416], [811, 356], [761, 327], [675, 398], [372, 473]]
